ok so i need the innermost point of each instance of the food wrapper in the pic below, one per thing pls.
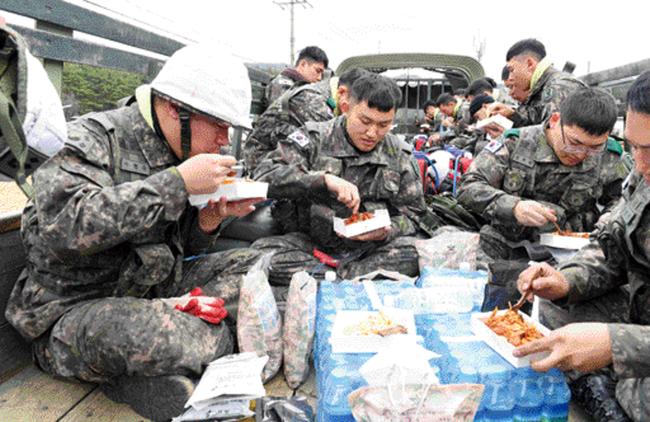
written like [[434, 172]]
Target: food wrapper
[[416, 402], [299, 328]]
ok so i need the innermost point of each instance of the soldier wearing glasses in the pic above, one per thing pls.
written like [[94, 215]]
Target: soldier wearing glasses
[[566, 172]]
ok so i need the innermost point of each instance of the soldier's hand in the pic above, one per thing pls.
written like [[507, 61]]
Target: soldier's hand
[[584, 347], [448, 122], [494, 130], [500, 108], [544, 281], [346, 193], [533, 214], [204, 173], [216, 211], [375, 235]]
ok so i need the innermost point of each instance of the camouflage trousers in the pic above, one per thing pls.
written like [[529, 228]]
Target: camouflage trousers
[[114, 336], [293, 253], [633, 394]]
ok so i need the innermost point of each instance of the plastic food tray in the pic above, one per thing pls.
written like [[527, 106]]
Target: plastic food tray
[[236, 191], [380, 219], [563, 242], [499, 343]]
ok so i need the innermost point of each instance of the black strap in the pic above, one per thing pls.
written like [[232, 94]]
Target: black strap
[[186, 132]]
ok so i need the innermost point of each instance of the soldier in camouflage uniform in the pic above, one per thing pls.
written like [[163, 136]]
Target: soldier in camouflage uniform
[[532, 77], [605, 286], [309, 68], [110, 232], [554, 173], [306, 103], [339, 167]]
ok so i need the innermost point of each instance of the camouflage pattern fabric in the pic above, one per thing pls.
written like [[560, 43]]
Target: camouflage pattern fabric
[[474, 142], [110, 222], [299, 328], [294, 253], [281, 84], [259, 325], [545, 98], [526, 167], [619, 256], [387, 178], [293, 109]]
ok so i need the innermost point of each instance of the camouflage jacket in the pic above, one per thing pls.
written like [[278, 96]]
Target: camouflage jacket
[[110, 217], [620, 254], [474, 142], [386, 177], [292, 110], [545, 98], [525, 166], [283, 82]]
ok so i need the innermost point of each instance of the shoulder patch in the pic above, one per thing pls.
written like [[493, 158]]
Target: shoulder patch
[[299, 137], [512, 132], [493, 146], [614, 146]]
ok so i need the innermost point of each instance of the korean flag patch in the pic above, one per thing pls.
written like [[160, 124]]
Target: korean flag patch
[[299, 137], [494, 146]]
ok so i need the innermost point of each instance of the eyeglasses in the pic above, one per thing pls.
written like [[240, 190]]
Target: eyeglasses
[[573, 146]]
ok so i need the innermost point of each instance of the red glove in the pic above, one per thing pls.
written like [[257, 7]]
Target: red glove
[[207, 308], [325, 258]]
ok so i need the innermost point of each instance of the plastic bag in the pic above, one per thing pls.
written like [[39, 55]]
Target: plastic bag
[[299, 328], [281, 409], [259, 326], [416, 402], [449, 248]]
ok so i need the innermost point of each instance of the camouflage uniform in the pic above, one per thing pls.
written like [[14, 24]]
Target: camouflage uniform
[[545, 97], [282, 83], [386, 177], [609, 282], [294, 108], [525, 166], [106, 236], [473, 143]]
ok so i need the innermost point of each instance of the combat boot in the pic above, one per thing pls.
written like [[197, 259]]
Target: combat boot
[[157, 398]]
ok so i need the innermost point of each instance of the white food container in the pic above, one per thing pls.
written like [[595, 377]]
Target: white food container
[[500, 120], [236, 191], [499, 343], [343, 342], [563, 242], [381, 219]]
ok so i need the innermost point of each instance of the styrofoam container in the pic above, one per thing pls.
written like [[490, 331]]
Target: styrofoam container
[[500, 120], [381, 219], [372, 343], [236, 191], [499, 343], [563, 242]]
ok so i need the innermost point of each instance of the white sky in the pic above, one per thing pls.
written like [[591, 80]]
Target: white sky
[[599, 34]]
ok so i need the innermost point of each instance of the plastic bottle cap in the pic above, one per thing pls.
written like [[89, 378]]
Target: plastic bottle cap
[[330, 276]]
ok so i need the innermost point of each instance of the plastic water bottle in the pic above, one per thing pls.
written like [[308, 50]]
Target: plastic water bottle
[[498, 398], [528, 396], [556, 397]]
